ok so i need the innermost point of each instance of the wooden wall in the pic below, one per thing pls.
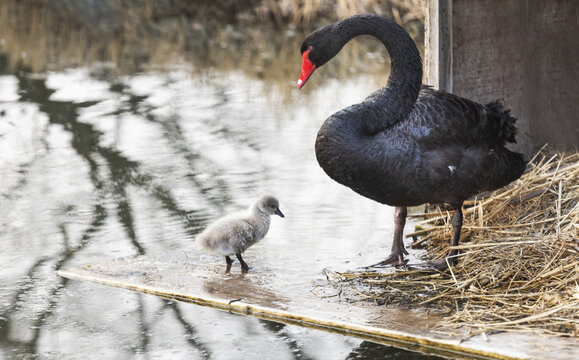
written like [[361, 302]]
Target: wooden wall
[[524, 52]]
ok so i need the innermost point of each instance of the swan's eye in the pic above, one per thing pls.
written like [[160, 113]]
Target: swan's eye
[[310, 48]]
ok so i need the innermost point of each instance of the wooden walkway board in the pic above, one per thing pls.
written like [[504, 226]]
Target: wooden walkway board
[[284, 298]]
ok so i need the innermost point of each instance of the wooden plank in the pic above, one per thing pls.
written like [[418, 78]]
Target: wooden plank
[[283, 298]]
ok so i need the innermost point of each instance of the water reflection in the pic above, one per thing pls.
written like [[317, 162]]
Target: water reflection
[[99, 165]]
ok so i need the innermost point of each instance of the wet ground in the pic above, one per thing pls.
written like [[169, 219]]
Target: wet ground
[[308, 301], [99, 164]]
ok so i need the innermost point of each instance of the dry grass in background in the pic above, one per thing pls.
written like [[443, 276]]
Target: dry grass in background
[[55, 34]]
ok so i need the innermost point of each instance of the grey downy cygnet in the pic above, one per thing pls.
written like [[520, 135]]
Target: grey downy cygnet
[[233, 234]]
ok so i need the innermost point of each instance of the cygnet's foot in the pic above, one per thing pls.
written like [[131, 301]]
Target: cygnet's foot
[[229, 261], [395, 259], [244, 267], [243, 270]]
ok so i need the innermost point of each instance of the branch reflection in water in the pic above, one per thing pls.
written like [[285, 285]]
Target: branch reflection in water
[[134, 154]]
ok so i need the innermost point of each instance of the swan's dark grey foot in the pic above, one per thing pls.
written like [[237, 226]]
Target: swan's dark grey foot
[[450, 260], [395, 259], [398, 251], [439, 265]]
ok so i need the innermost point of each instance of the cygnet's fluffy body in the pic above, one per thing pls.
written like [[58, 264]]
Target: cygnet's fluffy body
[[233, 234]]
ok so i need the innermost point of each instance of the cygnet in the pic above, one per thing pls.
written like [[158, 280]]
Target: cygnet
[[233, 234]]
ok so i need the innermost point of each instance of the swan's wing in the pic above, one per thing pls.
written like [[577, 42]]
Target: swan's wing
[[442, 118]]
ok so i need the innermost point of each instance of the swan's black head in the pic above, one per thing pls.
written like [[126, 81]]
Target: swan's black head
[[318, 48]]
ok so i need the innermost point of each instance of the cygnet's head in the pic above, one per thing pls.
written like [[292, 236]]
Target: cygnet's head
[[269, 205]]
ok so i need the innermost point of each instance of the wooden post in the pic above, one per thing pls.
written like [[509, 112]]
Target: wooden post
[[438, 44]]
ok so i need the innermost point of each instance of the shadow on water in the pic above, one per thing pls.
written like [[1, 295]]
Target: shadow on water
[[370, 350], [137, 170]]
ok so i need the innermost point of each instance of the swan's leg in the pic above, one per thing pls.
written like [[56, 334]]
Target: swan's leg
[[244, 266], [398, 251], [399, 223], [456, 222]]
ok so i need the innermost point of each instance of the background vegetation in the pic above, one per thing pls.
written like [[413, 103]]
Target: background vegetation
[[42, 34]]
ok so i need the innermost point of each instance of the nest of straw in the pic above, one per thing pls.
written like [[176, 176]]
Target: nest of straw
[[519, 258]]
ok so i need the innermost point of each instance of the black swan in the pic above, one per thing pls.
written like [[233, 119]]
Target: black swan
[[408, 144]]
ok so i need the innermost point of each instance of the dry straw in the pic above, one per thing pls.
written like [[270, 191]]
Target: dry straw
[[519, 258]]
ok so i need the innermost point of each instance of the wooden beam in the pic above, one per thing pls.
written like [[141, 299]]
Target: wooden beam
[[438, 44]]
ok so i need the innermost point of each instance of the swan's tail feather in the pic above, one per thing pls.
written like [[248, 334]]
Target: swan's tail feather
[[505, 122], [508, 167]]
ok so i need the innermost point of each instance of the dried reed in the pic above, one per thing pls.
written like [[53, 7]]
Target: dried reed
[[41, 34], [519, 262]]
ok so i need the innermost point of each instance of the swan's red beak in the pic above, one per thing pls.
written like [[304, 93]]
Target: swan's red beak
[[307, 69]]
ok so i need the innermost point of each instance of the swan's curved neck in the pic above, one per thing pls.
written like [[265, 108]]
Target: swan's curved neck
[[392, 103]]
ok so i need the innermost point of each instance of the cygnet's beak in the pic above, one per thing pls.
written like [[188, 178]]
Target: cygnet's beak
[[278, 212]]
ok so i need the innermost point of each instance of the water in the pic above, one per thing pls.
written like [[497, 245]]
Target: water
[[99, 164]]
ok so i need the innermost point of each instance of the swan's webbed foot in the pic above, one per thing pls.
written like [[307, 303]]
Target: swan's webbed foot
[[450, 260], [395, 259], [438, 265]]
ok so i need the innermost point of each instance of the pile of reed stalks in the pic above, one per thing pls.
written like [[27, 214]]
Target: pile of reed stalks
[[518, 267]]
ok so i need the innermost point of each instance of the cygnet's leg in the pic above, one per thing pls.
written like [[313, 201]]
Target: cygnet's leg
[[398, 251], [229, 262], [243, 263]]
